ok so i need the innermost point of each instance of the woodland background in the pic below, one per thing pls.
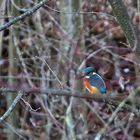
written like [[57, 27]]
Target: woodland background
[[43, 47]]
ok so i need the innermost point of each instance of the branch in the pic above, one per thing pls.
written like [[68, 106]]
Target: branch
[[11, 108], [125, 22], [22, 16], [113, 101]]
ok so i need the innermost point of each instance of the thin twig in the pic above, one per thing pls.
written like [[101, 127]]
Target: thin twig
[[29, 106], [104, 129], [14, 130]]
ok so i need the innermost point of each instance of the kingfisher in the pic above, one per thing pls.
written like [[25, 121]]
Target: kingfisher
[[93, 81]]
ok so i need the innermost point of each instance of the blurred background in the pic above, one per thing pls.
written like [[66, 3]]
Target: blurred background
[[46, 51]]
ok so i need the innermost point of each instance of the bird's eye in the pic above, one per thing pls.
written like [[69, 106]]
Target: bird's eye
[[89, 72]]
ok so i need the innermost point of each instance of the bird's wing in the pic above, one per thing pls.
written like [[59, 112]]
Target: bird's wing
[[96, 81]]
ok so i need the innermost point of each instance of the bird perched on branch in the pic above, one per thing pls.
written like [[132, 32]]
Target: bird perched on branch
[[93, 81]]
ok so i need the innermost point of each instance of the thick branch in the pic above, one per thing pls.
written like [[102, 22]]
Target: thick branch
[[11, 108], [114, 101], [22, 16], [125, 22]]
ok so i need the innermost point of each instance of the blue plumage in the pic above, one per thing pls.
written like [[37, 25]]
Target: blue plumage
[[96, 81], [88, 70]]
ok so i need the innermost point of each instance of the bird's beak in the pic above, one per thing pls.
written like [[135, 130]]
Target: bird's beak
[[80, 75]]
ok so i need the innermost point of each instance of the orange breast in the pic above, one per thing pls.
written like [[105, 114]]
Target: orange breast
[[90, 88]]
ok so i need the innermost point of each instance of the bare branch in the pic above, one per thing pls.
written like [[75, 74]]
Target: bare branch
[[11, 108], [113, 101], [24, 15]]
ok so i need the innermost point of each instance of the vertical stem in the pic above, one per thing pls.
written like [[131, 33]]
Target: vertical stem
[[12, 71], [78, 28], [67, 24], [131, 34], [2, 12], [138, 5], [125, 22], [72, 23]]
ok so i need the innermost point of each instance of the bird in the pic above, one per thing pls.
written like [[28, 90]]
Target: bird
[[92, 81]]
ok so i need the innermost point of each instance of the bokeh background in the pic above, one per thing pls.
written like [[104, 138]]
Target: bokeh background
[[45, 52]]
